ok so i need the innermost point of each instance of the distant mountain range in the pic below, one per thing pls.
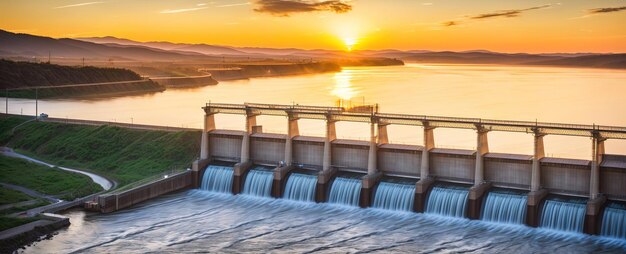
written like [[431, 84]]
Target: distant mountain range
[[24, 45]]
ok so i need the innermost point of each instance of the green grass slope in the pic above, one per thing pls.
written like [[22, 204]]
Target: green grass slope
[[124, 155]]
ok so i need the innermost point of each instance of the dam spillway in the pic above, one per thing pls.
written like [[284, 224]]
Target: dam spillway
[[345, 191], [614, 221], [301, 187], [259, 182], [217, 179], [476, 184], [505, 208], [447, 201], [394, 196], [563, 215]]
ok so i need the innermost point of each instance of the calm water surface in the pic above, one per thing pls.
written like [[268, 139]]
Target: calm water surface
[[200, 221], [569, 95]]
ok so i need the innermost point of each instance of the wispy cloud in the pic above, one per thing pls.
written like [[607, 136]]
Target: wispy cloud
[[231, 5], [77, 5], [508, 13], [284, 8], [606, 10], [182, 10], [502, 13]]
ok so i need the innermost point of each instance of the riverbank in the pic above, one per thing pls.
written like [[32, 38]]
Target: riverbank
[[45, 80], [120, 154]]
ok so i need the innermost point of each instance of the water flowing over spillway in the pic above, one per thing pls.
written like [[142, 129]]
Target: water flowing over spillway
[[259, 183], [614, 222], [505, 207], [218, 179], [345, 191], [447, 201], [207, 222], [562, 215], [394, 196], [301, 187]]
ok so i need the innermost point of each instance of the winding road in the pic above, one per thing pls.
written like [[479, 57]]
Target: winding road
[[105, 183]]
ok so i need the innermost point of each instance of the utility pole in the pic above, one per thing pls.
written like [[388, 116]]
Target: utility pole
[[36, 103], [7, 101]]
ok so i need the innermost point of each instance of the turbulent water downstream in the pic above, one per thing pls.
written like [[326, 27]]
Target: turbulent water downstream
[[202, 221]]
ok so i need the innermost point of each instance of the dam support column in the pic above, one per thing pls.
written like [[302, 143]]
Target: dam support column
[[596, 200], [477, 192], [536, 194], [292, 131], [425, 183], [280, 179], [328, 172], [198, 166], [369, 181], [371, 158], [241, 169]]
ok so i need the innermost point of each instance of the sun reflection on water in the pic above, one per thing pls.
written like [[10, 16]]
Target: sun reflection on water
[[343, 88]]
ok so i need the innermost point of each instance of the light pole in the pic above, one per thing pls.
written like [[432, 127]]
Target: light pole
[[36, 103], [6, 107]]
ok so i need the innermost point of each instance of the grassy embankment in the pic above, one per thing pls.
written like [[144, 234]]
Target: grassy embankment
[[123, 155], [43, 179], [20, 75]]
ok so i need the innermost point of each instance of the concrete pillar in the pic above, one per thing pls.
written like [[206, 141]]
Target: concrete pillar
[[331, 135], [209, 125], [245, 143], [429, 143], [240, 170], [535, 198], [368, 183], [371, 159], [423, 186], [292, 131], [383, 138], [482, 147], [593, 215], [539, 153], [280, 179], [597, 150], [324, 178]]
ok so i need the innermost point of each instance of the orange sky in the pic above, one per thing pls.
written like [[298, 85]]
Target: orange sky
[[505, 26]]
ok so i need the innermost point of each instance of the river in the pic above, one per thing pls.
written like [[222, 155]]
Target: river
[[550, 94], [201, 221]]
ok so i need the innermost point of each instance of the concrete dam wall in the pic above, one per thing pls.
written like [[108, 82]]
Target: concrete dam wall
[[419, 178]]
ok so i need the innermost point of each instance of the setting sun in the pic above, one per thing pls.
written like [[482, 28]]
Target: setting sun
[[349, 42]]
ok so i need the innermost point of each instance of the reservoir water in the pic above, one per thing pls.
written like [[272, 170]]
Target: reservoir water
[[202, 221], [550, 94]]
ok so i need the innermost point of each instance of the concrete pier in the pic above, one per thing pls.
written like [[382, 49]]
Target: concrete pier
[[475, 200], [422, 188], [372, 157], [280, 179], [593, 216], [482, 148], [535, 199], [240, 170], [535, 183], [245, 142], [292, 131], [324, 180], [331, 135], [368, 184]]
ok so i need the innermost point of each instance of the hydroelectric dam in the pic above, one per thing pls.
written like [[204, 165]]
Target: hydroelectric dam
[[571, 195]]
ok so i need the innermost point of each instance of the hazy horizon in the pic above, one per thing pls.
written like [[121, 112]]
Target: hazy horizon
[[518, 27]]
